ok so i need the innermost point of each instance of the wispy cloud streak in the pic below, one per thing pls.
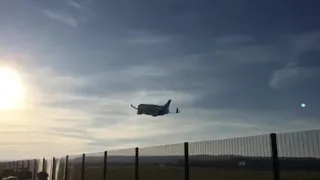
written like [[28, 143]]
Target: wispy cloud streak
[[291, 75], [74, 4], [61, 17]]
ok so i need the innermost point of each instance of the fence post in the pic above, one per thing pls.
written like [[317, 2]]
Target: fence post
[[34, 169], [66, 168], [83, 166], [136, 164], [43, 164], [105, 164], [53, 176], [22, 163], [28, 164], [275, 158], [186, 161]]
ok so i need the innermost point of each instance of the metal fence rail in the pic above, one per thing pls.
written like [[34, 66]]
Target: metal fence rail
[[267, 157]]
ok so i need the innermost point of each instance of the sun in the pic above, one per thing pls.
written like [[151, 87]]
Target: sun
[[11, 88]]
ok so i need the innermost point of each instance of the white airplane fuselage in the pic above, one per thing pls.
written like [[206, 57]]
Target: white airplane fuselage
[[148, 109], [154, 110]]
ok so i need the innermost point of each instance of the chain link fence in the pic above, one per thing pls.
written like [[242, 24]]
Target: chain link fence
[[285, 156]]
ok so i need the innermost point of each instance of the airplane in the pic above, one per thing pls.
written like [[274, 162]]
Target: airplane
[[154, 110]]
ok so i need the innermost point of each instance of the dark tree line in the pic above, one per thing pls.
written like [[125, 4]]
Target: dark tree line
[[225, 162]]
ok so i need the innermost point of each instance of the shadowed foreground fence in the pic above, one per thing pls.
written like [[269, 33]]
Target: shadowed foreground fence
[[287, 156]]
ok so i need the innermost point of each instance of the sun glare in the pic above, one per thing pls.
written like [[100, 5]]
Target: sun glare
[[11, 88]]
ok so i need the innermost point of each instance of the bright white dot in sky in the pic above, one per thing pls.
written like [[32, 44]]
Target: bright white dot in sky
[[303, 105]]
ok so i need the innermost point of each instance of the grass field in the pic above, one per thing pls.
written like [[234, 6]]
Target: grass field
[[177, 173]]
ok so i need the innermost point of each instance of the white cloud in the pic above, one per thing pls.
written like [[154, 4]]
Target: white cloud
[[62, 17], [44, 129], [74, 4], [137, 127], [145, 37], [231, 41], [149, 40], [33, 124], [76, 120], [249, 54], [28, 136], [306, 42], [137, 72], [290, 75]]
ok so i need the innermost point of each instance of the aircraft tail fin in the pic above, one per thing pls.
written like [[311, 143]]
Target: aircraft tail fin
[[166, 106], [133, 107]]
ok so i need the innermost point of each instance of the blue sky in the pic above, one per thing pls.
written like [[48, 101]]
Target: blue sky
[[234, 68]]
